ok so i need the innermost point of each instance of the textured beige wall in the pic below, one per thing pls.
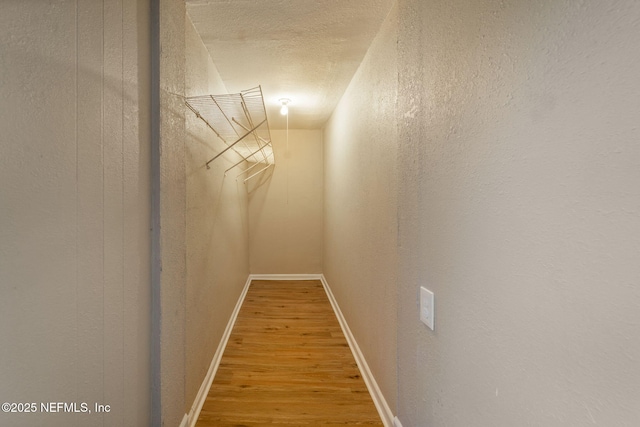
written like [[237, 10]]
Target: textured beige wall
[[518, 206], [169, 281], [285, 207], [217, 240], [75, 209], [360, 147]]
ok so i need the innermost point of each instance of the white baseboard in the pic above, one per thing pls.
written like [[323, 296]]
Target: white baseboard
[[185, 421], [194, 413], [285, 276], [386, 415], [378, 398]]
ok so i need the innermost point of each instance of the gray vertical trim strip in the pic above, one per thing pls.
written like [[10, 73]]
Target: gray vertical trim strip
[[156, 265]]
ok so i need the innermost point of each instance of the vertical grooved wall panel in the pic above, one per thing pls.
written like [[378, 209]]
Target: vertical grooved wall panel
[[74, 210]]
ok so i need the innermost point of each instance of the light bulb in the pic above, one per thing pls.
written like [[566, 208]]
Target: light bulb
[[284, 110]]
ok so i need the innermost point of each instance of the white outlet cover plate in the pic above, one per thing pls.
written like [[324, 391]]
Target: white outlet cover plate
[[426, 307]]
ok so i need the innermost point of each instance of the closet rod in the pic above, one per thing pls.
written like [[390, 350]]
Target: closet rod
[[244, 159], [254, 165], [238, 140], [257, 173], [255, 135]]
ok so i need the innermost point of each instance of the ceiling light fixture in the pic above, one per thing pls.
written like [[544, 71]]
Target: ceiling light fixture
[[284, 110]]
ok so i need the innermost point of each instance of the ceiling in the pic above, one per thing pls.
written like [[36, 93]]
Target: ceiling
[[304, 50]]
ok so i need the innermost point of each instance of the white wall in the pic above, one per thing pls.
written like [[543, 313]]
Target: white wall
[[217, 230], [285, 207], [519, 203], [360, 206], [75, 209], [516, 201]]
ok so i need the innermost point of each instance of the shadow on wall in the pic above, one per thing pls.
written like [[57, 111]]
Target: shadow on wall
[[206, 183]]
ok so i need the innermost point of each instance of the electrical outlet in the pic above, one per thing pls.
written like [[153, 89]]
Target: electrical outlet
[[426, 307]]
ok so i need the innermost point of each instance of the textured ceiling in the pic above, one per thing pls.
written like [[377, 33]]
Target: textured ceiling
[[304, 50]]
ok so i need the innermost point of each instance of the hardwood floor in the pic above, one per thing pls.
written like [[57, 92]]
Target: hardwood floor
[[287, 363]]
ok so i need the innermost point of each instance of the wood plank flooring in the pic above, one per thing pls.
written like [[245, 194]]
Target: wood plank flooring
[[287, 363]]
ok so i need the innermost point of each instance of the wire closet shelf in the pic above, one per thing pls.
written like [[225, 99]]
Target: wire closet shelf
[[240, 121]]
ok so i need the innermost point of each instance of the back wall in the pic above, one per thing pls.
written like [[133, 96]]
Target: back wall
[[285, 207]]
